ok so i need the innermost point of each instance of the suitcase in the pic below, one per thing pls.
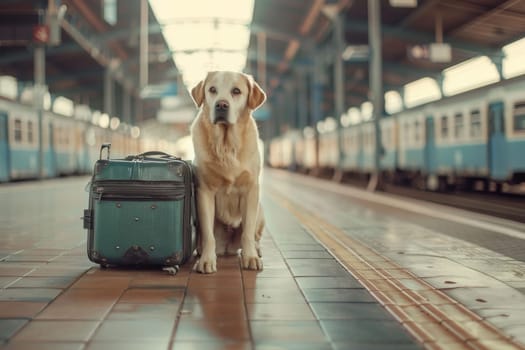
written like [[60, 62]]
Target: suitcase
[[141, 211]]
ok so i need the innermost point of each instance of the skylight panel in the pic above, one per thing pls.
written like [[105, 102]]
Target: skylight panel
[[205, 35]]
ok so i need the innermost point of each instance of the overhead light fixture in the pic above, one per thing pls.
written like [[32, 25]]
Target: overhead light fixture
[[403, 3]]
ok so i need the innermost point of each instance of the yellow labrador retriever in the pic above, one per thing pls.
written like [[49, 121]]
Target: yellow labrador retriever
[[228, 167]]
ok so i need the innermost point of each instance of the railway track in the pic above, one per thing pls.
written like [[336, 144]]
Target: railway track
[[506, 206], [503, 205]]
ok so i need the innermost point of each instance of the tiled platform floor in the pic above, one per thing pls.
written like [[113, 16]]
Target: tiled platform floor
[[52, 297]]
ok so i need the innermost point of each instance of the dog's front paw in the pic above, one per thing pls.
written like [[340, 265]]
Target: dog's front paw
[[206, 264], [251, 262]]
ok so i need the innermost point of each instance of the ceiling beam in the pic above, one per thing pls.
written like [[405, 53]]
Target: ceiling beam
[[98, 24], [419, 37], [72, 47]]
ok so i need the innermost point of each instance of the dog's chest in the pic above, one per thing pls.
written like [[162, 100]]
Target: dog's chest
[[238, 183]]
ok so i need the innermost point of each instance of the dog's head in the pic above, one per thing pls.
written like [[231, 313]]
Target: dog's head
[[226, 96]]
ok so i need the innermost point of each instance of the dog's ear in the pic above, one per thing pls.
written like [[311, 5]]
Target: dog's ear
[[256, 96], [198, 93]]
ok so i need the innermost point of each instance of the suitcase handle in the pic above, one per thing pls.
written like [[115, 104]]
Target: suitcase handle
[[107, 146], [153, 153]]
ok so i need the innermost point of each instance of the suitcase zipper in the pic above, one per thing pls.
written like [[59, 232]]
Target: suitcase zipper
[[143, 190]]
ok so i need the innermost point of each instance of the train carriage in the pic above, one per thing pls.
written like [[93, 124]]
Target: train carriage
[[352, 149], [389, 142]]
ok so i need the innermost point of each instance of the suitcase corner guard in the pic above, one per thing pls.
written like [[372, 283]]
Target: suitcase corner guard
[[88, 219]]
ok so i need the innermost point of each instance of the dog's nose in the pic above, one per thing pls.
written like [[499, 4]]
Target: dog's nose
[[222, 105]]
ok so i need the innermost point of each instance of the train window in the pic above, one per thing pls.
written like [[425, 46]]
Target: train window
[[475, 123], [458, 125], [29, 131], [519, 116], [444, 127], [18, 130]]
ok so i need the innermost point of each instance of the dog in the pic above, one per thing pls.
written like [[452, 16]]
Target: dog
[[228, 166]]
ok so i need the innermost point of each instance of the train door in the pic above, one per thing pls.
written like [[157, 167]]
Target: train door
[[51, 163], [432, 181], [430, 146], [4, 148], [497, 144]]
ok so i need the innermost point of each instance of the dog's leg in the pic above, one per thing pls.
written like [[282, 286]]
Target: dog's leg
[[207, 262], [250, 257], [259, 230]]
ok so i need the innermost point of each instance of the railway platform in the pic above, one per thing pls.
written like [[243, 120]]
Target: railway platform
[[343, 269]]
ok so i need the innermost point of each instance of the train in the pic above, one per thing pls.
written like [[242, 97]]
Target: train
[[473, 140], [71, 138]]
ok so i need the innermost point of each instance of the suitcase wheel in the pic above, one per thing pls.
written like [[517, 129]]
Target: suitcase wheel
[[172, 270]]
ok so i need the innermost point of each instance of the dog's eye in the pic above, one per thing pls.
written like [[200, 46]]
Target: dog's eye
[[212, 90], [236, 91]]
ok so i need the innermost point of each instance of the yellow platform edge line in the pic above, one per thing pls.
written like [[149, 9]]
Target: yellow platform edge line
[[432, 317]]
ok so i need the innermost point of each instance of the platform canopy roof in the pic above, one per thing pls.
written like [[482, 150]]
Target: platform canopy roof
[[285, 37]]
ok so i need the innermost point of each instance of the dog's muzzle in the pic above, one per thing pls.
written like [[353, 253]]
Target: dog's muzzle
[[221, 112]]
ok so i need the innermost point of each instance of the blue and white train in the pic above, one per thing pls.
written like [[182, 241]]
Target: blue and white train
[[70, 143], [475, 138]]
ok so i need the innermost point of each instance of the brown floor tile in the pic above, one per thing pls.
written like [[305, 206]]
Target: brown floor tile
[[44, 346], [57, 331], [131, 330], [213, 295], [198, 281], [20, 309], [122, 311], [215, 311], [152, 296], [286, 331], [81, 304], [219, 330], [160, 281], [102, 282], [29, 294], [280, 312]]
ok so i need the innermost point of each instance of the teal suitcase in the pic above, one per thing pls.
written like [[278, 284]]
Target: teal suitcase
[[141, 211]]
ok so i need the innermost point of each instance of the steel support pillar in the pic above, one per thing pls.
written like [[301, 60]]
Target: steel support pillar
[[144, 44], [126, 106], [316, 87], [339, 90], [39, 92], [376, 87], [302, 107], [109, 92]]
